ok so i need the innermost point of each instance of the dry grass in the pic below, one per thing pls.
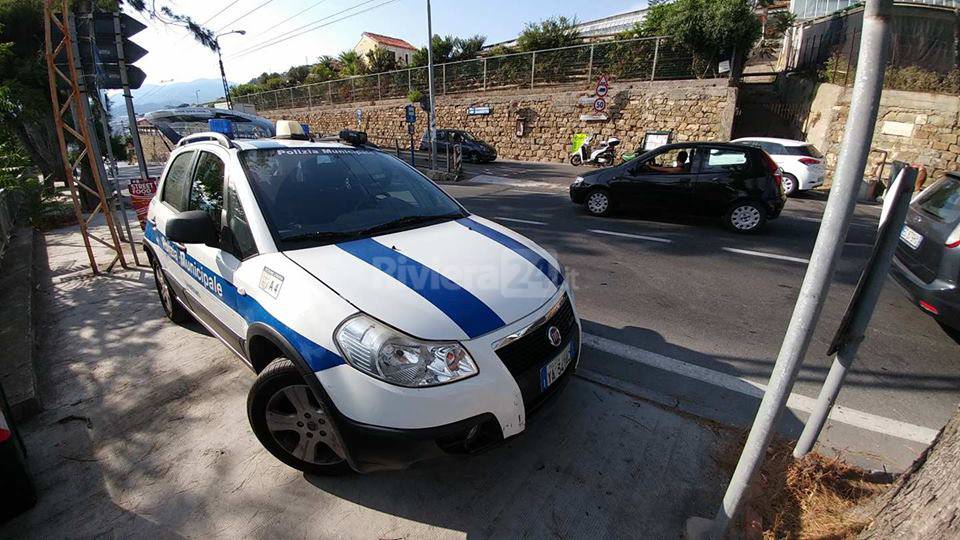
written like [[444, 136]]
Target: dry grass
[[810, 498]]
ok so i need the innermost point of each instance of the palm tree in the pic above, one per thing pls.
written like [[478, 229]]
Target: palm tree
[[351, 64]]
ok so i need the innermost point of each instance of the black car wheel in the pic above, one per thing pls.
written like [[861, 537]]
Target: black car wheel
[[790, 185], [598, 202], [291, 423], [168, 299], [745, 217]]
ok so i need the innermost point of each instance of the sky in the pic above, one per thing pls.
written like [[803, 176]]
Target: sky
[[176, 57]]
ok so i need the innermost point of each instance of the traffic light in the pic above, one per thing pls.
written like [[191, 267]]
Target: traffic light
[[100, 56]]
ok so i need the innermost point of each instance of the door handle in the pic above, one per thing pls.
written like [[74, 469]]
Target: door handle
[[178, 245], [241, 291]]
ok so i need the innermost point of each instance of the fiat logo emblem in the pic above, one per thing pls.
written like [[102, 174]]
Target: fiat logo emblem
[[553, 334]]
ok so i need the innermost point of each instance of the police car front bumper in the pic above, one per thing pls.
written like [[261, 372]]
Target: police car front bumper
[[383, 426]]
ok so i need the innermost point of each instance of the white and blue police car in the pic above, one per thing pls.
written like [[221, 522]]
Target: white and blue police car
[[386, 323]]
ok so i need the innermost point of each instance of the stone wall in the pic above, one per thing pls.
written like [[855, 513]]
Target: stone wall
[[915, 127], [693, 110]]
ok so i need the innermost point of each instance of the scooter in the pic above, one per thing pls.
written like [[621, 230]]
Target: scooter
[[603, 155]]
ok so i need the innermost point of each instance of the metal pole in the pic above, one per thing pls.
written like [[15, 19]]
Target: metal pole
[[330, 92], [128, 100], [443, 77], [533, 67], [291, 98], [432, 112], [223, 77], [861, 310], [379, 88], [826, 252], [115, 180], [484, 73], [656, 54], [590, 65], [309, 96]]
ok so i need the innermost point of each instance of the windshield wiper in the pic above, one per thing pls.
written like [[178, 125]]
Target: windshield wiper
[[409, 220], [319, 235]]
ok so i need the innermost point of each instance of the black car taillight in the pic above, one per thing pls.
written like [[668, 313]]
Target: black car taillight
[[773, 168]]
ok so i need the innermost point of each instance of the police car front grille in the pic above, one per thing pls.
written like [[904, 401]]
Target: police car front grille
[[534, 349]]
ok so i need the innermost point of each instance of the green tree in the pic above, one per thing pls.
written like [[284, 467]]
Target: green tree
[[468, 48], [351, 64], [549, 34], [297, 74], [708, 30], [380, 59], [443, 50]]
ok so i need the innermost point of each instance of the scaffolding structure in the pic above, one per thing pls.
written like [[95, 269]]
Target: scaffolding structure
[[72, 117]]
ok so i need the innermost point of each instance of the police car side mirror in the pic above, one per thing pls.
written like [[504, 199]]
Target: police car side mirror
[[192, 227]]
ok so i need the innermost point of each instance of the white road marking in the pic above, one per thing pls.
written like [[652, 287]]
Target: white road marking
[[635, 236], [818, 220], [845, 415], [766, 255], [513, 182], [527, 221]]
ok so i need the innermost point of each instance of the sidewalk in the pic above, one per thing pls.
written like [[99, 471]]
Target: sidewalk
[[145, 433]]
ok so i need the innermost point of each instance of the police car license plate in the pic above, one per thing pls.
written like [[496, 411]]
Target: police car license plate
[[554, 368], [911, 237]]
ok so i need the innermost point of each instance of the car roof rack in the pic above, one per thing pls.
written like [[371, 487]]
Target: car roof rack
[[219, 138]]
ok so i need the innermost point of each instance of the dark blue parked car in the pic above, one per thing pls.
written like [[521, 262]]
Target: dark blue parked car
[[474, 150]]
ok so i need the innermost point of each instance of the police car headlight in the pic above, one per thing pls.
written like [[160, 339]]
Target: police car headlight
[[387, 354]]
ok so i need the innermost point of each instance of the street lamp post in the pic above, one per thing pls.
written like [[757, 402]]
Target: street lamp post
[[432, 115], [223, 74]]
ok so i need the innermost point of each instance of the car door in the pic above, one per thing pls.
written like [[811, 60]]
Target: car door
[[212, 268], [660, 180], [174, 189], [721, 178]]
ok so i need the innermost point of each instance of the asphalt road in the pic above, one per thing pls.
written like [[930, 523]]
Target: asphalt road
[[685, 312]]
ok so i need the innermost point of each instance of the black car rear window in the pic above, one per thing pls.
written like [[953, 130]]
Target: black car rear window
[[942, 200]]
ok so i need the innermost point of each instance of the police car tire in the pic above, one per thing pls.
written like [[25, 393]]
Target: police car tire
[[175, 311], [279, 374]]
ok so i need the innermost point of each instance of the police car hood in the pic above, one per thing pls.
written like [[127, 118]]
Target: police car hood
[[454, 280]]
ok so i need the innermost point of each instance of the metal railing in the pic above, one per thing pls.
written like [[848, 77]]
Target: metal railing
[[654, 58]]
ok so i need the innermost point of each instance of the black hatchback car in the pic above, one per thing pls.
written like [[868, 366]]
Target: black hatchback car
[[740, 183], [474, 150], [927, 262]]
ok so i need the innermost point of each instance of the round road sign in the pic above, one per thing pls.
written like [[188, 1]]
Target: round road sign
[[599, 104], [602, 90]]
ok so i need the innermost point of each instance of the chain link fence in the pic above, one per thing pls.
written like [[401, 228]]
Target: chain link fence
[[653, 59]]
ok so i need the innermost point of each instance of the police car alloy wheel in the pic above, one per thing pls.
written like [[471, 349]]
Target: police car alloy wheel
[[291, 423]]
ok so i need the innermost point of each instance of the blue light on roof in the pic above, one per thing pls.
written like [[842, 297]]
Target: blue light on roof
[[221, 125]]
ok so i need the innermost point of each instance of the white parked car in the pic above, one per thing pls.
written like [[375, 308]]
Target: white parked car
[[386, 323], [801, 162]]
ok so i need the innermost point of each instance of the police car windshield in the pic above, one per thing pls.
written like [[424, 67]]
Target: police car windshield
[[323, 195]]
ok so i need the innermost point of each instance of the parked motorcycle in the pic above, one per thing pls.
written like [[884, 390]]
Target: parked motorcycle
[[603, 155]]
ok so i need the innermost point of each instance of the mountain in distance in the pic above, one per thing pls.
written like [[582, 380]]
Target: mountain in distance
[[154, 97]]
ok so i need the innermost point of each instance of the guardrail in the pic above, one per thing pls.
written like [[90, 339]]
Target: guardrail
[[653, 58]]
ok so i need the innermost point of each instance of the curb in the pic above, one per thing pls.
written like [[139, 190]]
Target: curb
[[17, 371]]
